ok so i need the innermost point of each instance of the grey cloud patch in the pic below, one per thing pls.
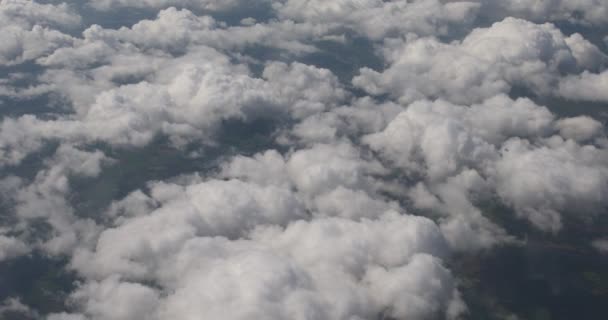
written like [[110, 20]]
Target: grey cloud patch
[[12, 247], [601, 245], [210, 5], [25, 29], [29, 13], [45, 198], [378, 19], [586, 86], [578, 11]]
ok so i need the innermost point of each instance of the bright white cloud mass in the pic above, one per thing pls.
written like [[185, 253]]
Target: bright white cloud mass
[[292, 159]]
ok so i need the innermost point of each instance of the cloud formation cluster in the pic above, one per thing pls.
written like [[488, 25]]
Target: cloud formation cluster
[[479, 67], [362, 190], [27, 32]]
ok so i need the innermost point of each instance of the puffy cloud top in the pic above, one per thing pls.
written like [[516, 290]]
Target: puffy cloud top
[[489, 61], [292, 159]]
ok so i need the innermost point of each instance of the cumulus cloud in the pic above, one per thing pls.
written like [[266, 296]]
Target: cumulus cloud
[[356, 200], [200, 96], [582, 128], [13, 307], [280, 273], [25, 45], [577, 11], [26, 29], [586, 87], [378, 19], [261, 242], [115, 300], [183, 98], [45, 198], [332, 179], [207, 5], [478, 67], [561, 176], [12, 247], [513, 144], [174, 30], [26, 14], [439, 138]]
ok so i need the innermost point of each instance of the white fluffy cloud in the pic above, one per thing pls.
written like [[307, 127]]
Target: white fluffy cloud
[[45, 199], [207, 5], [541, 182], [440, 138], [279, 272], [24, 29], [332, 179], [586, 86], [377, 19], [582, 128], [299, 236], [26, 14], [479, 66], [183, 98], [320, 224], [511, 143], [212, 208], [199, 96], [577, 11], [174, 30]]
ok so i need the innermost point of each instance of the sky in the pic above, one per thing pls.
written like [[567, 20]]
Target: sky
[[303, 159]]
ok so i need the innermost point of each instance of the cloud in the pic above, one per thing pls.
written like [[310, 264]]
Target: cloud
[[12, 247], [378, 19], [207, 5], [364, 190], [256, 244], [26, 14], [538, 165], [25, 45], [26, 29], [578, 11], [333, 180], [200, 96], [45, 199], [586, 87], [439, 138], [13, 307], [601, 245], [562, 176], [213, 208], [477, 67], [361, 116], [185, 100], [175, 30], [398, 290], [113, 299], [582, 128], [282, 273]]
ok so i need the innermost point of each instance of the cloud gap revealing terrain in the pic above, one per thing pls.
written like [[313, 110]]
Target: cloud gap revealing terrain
[[303, 159]]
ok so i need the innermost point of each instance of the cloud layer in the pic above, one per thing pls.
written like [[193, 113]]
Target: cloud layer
[[323, 195]]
